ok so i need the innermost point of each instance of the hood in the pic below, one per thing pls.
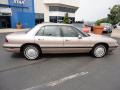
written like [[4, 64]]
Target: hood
[[97, 35], [101, 37]]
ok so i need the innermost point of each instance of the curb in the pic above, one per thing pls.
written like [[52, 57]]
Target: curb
[[116, 33], [11, 30]]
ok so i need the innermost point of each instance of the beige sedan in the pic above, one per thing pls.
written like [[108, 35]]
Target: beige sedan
[[58, 38]]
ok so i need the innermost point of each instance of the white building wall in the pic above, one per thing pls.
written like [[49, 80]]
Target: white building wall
[[42, 6], [39, 6], [3, 1], [61, 14], [74, 3]]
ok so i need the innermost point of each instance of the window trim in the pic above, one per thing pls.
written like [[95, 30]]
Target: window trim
[[61, 33]]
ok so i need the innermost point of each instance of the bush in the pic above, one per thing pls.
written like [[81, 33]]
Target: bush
[[104, 20], [66, 19]]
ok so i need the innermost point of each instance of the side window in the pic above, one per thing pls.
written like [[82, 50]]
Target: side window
[[49, 31], [79, 32], [69, 31], [41, 31], [52, 31]]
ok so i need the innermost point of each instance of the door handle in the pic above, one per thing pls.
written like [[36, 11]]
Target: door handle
[[40, 39], [67, 40]]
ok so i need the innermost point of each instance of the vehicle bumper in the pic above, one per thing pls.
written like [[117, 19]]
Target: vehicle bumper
[[12, 48], [112, 48]]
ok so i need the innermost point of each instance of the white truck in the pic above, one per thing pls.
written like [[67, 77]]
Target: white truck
[[118, 25]]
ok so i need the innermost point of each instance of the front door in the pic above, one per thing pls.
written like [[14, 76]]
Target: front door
[[72, 43]]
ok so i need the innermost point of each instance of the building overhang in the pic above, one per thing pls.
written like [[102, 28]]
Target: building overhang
[[5, 5], [63, 5], [5, 10], [70, 3]]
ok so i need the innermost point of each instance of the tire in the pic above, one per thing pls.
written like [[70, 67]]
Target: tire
[[31, 52], [99, 51]]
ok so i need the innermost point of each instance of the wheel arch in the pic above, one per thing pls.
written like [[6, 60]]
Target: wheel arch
[[22, 47], [102, 43]]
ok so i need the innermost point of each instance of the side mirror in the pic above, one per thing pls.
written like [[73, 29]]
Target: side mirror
[[79, 36]]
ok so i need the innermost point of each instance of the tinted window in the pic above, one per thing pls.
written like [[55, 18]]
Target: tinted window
[[62, 9], [49, 31], [69, 31]]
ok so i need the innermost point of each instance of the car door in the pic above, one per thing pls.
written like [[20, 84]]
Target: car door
[[50, 40], [74, 40]]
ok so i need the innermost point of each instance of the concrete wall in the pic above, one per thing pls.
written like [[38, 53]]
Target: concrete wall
[[4, 2], [74, 3], [116, 33], [40, 7], [61, 14]]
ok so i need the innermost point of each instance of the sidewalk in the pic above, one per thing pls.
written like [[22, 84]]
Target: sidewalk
[[8, 30], [115, 33]]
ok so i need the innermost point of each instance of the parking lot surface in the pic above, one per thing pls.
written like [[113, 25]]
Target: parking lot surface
[[59, 72]]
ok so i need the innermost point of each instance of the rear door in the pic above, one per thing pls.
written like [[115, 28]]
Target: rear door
[[50, 40]]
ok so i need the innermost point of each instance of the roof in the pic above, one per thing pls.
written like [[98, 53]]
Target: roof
[[55, 24]]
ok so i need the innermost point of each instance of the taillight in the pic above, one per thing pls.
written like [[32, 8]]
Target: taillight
[[6, 40]]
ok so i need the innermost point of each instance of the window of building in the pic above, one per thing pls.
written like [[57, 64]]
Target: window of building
[[53, 19], [62, 9], [59, 19], [39, 18]]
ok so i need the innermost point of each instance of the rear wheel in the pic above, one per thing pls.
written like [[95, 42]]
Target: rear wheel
[[31, 52], [99, 51]]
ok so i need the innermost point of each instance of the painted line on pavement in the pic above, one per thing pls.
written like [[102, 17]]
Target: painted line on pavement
[[57, 82]]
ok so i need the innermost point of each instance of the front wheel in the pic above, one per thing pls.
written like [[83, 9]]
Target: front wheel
[[99, 51], [31, 52]]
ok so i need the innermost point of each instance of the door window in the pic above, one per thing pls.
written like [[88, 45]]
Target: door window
[[49, 31], [68, 31]]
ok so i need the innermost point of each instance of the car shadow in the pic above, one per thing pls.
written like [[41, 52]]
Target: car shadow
[[21, 56], [17, 55], [65, 55]]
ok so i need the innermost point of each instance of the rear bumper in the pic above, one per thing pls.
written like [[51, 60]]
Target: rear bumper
[[12, 49]]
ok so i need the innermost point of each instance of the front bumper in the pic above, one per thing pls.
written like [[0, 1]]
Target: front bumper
[[113, 48]]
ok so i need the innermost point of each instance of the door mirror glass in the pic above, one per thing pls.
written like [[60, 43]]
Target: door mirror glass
[[79, 36]]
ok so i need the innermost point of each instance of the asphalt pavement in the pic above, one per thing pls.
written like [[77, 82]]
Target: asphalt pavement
[[59, 72]]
